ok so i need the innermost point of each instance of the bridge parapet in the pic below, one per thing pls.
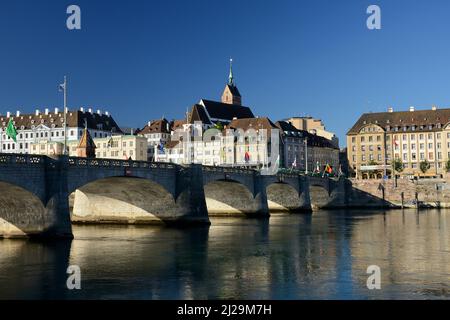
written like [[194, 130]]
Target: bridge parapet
[[228, 170], [114, 163], [21, 159]]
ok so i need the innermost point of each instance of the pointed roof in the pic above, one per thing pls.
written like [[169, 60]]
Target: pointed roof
[[86, 140], [234, 90], [198, 113]]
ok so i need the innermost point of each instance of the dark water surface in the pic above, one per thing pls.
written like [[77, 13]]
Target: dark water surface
[[319, 256]]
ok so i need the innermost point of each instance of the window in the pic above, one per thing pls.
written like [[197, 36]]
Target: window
[[370, 138], [413, 146], [413, 156], [379, 157], [439, 155], [438, 135], [422, 156], [405, 157], [430, 146], [422, 146], [362, 139], [430, 136], [404, 137], [430, 155]]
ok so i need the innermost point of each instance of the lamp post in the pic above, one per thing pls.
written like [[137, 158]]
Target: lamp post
[[63, 88], [306, 155]]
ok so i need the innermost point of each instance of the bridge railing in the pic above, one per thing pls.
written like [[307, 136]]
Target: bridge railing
[[75, 161], [227, 170], [21, 159]]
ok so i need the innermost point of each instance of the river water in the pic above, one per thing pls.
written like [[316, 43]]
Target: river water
[[320, 256]]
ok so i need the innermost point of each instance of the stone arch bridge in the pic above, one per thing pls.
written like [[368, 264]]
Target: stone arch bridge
[[38, 192]]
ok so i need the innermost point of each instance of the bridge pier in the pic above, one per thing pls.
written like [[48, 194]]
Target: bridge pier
[[260, 194], [305, 198]]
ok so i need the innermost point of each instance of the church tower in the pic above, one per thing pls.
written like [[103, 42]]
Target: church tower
[[231, 93]]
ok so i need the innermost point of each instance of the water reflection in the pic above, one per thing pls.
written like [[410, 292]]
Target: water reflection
[[319, 256]]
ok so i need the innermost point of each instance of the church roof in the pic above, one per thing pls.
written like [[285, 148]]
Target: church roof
[[198, 113], [225, 111]]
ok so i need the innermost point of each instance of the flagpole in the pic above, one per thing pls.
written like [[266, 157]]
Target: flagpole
[[65, 115]]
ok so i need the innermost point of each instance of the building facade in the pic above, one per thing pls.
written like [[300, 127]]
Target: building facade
[[122, 147], [158, 134], [299, 145], [415, 139], [49, 127], [314, 126]]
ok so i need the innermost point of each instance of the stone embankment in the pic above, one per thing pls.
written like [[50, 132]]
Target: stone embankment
[[431, 193]]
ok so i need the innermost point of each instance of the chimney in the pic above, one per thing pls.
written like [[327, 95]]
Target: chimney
[[107, 113], [434, 108], [411, 109], [37, 112], [46, 111], [149, 123], [90, 110], [99, 112], [82, 109], [17, 113], [8, 114], [56, 110], [390, 109]]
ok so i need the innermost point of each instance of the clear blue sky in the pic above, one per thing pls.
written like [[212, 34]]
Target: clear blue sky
[[141, 60]]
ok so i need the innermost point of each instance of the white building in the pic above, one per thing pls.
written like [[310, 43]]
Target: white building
[[157, 132], [49, 126]]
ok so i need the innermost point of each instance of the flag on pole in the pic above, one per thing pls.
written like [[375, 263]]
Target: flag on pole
[[247, 157], [62, 87], [161, 147], [11, 130]]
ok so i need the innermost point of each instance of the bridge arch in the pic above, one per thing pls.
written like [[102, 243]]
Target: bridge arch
[[124, 199], [226, 197], [22, 212], [283, 197]]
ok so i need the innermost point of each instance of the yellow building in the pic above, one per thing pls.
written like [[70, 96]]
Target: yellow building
[[122, 147], [416, 138]]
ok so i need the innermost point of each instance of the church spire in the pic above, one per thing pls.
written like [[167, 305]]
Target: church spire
[[231, 93], [230, 77]]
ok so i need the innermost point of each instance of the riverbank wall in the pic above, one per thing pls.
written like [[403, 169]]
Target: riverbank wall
[[405, 193]]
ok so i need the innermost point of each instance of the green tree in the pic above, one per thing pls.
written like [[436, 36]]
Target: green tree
[[219, 126], [447, 166], [397, 165], [372, 163], [424, 166]]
